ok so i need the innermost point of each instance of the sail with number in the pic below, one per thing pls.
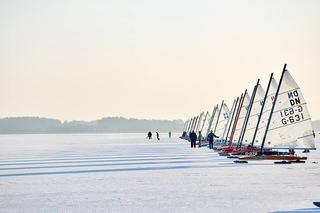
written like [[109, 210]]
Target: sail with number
[[254, 115], [222, 122], [290, 124], [242, 115]]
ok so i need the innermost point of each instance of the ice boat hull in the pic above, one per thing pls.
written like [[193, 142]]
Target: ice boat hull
[[274, 157]]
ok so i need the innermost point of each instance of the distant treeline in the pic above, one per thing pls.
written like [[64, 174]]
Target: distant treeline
[[36, 125]]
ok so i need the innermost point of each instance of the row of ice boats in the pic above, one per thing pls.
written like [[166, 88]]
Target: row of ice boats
[[271, 124]]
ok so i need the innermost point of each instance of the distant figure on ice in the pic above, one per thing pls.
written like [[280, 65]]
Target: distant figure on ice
[[158, 137], [193, 139], [200, 138], [169, 134], [211, 135], [149, 135]]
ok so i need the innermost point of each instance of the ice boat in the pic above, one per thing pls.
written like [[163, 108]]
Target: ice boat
[[289, 124]]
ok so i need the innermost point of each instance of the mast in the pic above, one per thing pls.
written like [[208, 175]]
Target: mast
[[190, 121], [237, 117], [199, 122], [261, 110], [233, 111], [227, 124], [205, 118], [195, 123], [212, 117], [244, 127], [272, 109], [216, 124]]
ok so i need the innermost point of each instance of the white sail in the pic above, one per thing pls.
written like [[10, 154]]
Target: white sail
[[254, 115], [223, 119], [290, 125], [230, 123], [206, 124], [213, 119], [201, 120], [241, 118], [198, 122], [265, 113]]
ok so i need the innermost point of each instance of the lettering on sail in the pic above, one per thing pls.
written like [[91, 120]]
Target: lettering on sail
[[295, 112]]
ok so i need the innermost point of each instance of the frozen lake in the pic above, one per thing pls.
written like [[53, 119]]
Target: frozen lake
[[127, 173]]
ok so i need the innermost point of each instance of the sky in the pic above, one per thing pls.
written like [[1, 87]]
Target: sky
[[169, 59]]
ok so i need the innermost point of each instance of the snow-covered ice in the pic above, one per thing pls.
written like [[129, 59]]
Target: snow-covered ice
[[128, 173]]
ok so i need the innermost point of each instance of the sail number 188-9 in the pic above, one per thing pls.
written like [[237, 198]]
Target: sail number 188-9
[[291, 115]]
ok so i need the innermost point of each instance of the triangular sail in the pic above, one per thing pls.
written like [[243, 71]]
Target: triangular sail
[[265, 114], [233, 111], [223, 119], [201, 120], [290, 125], [206, 124], [212, 119], [254, 115], [242, 116]]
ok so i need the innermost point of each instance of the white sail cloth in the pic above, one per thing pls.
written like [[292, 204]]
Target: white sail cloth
[[290, 125]]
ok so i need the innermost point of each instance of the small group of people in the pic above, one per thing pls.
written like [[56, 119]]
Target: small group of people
[[194, 137], [149, 136]]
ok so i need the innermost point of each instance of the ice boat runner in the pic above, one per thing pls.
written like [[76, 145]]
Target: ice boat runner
[[289, 124]]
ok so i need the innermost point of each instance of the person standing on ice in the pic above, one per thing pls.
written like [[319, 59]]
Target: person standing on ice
[[149, 135], [158, 137], [210, 137], [169, 134], [193, 139], [200, 138]]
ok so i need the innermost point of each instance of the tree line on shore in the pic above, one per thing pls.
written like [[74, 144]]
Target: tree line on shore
[[38, 125]]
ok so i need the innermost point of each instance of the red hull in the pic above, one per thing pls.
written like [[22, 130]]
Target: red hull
[[273, 157]]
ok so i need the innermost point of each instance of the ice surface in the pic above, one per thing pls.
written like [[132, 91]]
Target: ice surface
[[128, 173]]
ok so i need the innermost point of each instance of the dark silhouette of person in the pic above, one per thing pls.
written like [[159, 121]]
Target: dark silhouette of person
[[149, 135], [193, 138], [199, 139], [158, 137], [210, 137], [169, 134]]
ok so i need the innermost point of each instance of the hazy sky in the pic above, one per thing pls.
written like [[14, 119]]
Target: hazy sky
[[167, 59]]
